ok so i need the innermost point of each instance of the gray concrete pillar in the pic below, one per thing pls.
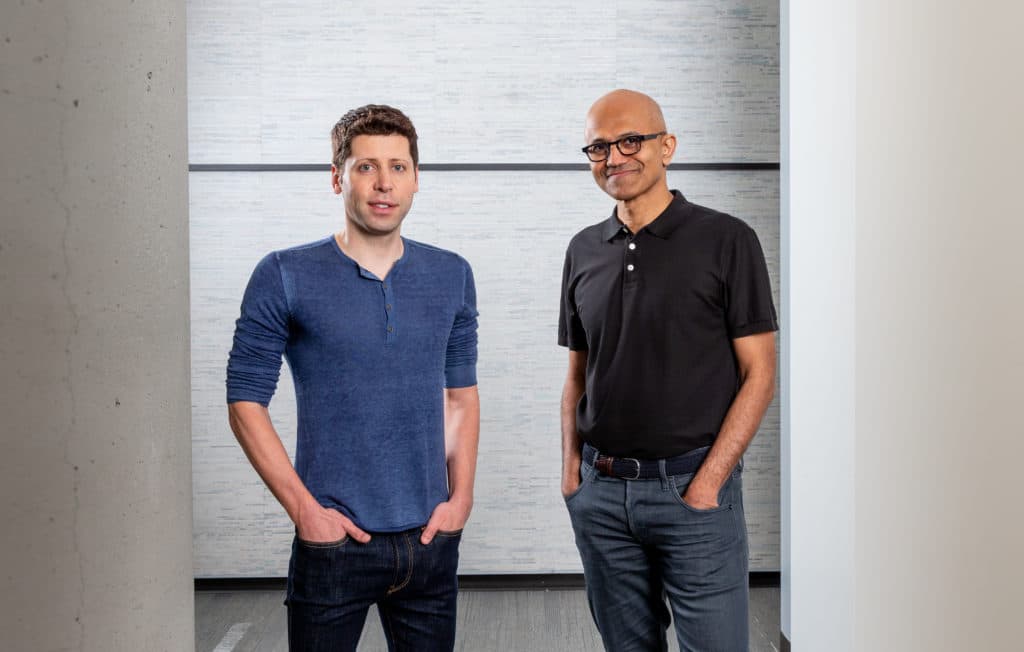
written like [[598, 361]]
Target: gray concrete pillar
[[94, 347]]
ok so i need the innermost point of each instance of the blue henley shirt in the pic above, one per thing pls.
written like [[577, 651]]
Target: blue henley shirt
[[370, 359]]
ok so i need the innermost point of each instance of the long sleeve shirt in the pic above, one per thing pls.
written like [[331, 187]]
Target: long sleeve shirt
[[370, 359]]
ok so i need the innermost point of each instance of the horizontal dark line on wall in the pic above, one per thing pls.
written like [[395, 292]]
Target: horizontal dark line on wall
[[500, 582], [765, 579], [467, 167]]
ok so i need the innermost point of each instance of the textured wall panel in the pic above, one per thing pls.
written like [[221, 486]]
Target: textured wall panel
[[513, 228], [484, 82]]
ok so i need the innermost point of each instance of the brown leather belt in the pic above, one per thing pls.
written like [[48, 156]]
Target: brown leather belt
[[631, 468]]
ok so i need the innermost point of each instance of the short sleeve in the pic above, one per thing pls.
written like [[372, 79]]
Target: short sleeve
[[570, 326], [261, 334], [749, 305], [461, 355]]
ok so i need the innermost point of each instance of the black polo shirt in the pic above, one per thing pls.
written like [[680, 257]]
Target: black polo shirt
[[656, 312]]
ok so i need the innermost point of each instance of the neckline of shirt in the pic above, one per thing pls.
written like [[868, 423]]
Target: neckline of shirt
[[365, 273], [662, 226]]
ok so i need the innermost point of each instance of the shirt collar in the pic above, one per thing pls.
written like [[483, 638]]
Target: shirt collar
[[662, 227]]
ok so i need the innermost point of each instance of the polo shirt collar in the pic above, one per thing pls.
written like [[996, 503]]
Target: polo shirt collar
[[662, 227]]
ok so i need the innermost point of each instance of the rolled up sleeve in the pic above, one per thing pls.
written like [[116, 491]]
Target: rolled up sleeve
[[461, 355], [261, 334]]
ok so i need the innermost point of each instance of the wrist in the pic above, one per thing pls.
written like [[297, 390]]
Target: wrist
[[702, 487], [305, 506], [571, 463], [463, 500]]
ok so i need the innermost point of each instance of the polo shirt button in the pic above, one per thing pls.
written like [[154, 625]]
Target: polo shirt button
[[629, 267], [391, 329], [632, 245], [387, 307]]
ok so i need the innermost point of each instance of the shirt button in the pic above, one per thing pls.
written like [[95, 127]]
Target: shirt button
[[391, 329], [629, 267], [384, 285], [632, 245], [387, 307]]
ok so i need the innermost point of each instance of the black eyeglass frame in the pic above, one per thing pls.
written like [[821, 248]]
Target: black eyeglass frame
[[641, 139]]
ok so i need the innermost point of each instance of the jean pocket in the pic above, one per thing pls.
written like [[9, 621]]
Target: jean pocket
[[680, 483], [587, 473], [322, 545], [441, 537]]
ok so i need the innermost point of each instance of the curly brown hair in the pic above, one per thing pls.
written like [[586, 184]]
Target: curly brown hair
[[371, 120]]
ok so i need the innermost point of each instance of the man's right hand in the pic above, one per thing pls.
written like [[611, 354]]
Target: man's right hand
[[318, 524], [571, 478], [262, 445]]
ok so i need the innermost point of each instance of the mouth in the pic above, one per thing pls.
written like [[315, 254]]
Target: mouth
[[618, 173], [382, 205]]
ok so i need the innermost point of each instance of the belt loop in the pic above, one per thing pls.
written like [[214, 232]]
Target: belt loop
[[663, 474]]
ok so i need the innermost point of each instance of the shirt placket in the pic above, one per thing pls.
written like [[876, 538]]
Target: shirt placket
[[390, 327], [630, 264], [387, 294]]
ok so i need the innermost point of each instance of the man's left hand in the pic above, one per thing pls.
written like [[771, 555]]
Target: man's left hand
[[701, 497], [450, 516]]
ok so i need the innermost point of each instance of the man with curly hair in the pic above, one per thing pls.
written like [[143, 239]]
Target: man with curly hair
[[380, 334]]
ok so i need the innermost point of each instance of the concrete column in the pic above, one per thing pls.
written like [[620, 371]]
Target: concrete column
[[94, 345]]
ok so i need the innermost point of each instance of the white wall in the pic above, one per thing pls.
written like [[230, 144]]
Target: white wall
[[484, 83], [819, 339], [940, 357], [937, 283]]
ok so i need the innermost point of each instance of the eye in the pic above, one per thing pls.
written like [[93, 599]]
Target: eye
[[365, 167], [632, 141], [598, 148], [399, 167]]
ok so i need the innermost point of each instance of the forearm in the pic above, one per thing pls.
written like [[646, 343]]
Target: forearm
[[572, 391], [572, 444], [755, 357], [738, 429], [262, 445], [462, 437]]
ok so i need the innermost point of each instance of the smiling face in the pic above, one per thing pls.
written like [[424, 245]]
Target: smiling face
[[627, 113], [377, 181]]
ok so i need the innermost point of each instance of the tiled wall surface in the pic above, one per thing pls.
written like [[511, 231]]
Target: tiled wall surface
[[485, 83]]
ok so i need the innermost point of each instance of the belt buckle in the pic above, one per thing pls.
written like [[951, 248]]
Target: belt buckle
[[636, 476]]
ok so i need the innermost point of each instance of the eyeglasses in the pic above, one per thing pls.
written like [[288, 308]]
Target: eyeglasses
[[627, 146]]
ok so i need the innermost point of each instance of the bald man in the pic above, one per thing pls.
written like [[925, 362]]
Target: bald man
[[667, 312]]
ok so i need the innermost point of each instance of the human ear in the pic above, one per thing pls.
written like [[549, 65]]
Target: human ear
[[668, 149], [335, 179]]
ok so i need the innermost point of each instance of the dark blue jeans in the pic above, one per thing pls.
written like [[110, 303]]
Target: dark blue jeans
[[332, 585], [640, 542]]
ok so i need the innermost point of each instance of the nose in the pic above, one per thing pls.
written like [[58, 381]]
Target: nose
[[383, 180], [615, 157]]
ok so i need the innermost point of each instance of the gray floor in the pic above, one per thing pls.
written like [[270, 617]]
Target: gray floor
[[509, 621]]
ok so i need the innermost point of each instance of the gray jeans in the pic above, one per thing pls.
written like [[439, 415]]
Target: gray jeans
[[640, 543]]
